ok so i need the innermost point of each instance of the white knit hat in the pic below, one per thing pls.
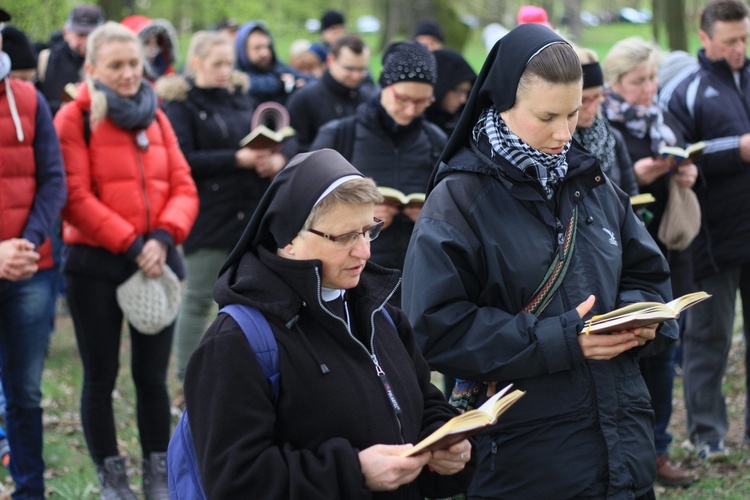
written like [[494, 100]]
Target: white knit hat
[[150, 304]]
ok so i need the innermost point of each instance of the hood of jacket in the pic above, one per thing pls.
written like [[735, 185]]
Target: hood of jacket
[[176, 87], [280, 287], [165, 32], [240, 42]]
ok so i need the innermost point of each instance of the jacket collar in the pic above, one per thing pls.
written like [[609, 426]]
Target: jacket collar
[[720, 67], [281, 287], [337, 88]]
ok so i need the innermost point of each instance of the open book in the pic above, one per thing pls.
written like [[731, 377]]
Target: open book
[[467, 424], [263, 137], [395, 197], [642, 314], [639, 200], [693, 151]]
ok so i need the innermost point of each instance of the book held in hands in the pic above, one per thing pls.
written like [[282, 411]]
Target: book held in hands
[[641, 314], [263, 137], [467, 424], [398, 198], [693, 151]]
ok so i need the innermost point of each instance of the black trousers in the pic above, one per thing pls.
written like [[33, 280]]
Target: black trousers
[[98, 326]]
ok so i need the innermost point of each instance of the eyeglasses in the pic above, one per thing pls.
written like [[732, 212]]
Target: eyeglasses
[[349, 240], [353, 69], [403, 100], [586, 101]]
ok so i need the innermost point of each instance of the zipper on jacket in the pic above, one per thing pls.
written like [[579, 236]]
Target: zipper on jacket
[[143, 186], [493, 454], [222, 125], [370, 353]]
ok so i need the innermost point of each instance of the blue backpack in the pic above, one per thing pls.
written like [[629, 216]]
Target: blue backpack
[[182, 466]]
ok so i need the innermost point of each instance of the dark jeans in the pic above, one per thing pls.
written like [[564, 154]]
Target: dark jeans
[[658, 372], [98, 325], [24, 336]]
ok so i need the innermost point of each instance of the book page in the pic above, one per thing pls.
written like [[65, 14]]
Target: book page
[[681, 303]]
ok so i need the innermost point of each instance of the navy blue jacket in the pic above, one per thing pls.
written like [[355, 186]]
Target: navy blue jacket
[[709, 106], [481, 246]]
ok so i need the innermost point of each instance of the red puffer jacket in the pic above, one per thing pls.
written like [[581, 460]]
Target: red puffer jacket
[[118, 191]]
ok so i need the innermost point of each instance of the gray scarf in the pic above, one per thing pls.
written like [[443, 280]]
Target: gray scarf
[[131, 113]]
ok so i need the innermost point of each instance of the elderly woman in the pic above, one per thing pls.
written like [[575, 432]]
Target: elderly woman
[[520, 239], [131, 202], [631, 71], [354, 388]]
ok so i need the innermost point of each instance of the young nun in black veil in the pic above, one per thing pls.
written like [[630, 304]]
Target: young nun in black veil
[[522, 238]]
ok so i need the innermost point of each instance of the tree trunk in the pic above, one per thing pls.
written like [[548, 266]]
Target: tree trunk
[[573, 15], [674, 19]]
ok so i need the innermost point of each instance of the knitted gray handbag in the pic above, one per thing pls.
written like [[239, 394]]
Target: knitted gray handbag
[[150, 304]]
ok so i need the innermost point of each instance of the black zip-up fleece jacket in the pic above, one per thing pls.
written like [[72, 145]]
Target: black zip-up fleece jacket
[[482, 245], [306, 446], [209, 123]]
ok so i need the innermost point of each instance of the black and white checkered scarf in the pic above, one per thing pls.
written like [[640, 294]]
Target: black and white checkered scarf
[[640, 121], [600, 142], [548, 169]]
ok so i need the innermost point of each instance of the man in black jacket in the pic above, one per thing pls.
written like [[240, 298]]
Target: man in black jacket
[[336, 95], [712, 104], [63, 63]]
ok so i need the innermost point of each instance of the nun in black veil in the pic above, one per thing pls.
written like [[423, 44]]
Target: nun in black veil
[[521, 238], [354, 390]]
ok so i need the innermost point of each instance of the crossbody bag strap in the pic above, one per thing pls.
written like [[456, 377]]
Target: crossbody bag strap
[[466, 393]]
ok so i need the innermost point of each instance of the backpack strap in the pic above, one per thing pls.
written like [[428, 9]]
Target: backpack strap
[[346, 134], [436, 140], [261, 339], [86, 126]]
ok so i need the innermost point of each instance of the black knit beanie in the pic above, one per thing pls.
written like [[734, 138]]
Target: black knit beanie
[[18, 47], [430, 28], [408, 62], [331, 18]]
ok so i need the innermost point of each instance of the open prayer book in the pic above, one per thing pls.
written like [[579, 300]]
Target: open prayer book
[[693, 151], [398, 198], [639, 200], [642, 314], [263, 137], [467, 424]]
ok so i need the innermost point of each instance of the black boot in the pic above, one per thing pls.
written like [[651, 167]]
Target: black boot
[[113, 477], [155, 485]]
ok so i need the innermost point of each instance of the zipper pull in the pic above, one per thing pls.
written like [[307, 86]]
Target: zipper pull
[[387, 385], [560, 237]]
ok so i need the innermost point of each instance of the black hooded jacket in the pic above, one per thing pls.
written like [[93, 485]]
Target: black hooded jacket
[[306, 446], [209, 123], [481, 247]]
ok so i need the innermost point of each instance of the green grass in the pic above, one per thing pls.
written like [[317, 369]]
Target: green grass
[[70, 472]]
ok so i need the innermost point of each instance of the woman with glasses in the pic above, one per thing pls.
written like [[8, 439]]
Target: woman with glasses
[[354, 388], [631, 71], [594, 132], [390, 140], [521, 239]]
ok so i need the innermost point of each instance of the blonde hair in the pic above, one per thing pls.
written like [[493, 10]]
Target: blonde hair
[[626, 54], [201, 44], [353, 192], [106, 33], [587, 56]]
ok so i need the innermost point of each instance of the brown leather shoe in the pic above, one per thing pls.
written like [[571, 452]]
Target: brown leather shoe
[[669, 473]]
